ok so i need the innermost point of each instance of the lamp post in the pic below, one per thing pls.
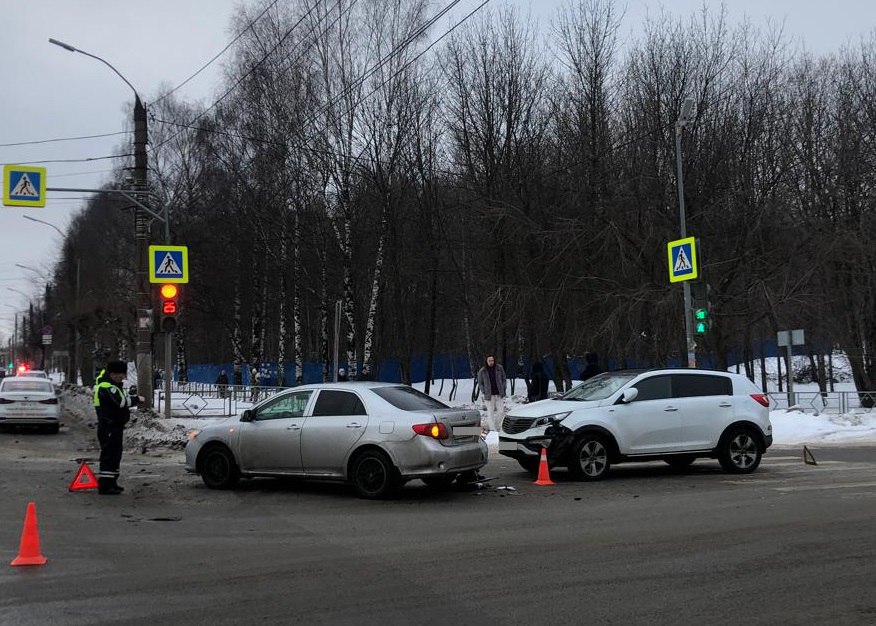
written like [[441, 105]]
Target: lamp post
[[141, 226], [15, 332], [33, 219], [72, 361], [39, 273], [13, 339], [688, 110]]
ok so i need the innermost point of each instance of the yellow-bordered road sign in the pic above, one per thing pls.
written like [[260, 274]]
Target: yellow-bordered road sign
[[168, 264], [24, 185], [682, 259]]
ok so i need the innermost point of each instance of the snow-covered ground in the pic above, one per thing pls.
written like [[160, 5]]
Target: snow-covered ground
[[804, 424]]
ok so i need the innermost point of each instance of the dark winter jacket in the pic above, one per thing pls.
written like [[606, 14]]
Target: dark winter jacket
[[537, 385], [111, 402], [592, 368], [485, 384]]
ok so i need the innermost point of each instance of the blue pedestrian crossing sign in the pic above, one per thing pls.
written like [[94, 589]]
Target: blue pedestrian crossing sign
[[168, 264], [24, 186], [682, 259]]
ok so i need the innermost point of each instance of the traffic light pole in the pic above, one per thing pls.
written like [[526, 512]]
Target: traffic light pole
[[688, 327]]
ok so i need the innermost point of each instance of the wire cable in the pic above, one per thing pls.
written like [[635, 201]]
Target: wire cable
[[218, 54], [39, 141]]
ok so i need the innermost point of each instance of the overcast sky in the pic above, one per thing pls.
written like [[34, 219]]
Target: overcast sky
[[50, 93]]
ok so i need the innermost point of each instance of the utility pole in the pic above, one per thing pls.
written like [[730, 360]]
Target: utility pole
[[141, 234]]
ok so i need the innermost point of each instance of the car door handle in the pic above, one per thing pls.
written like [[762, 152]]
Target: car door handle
[[293, 427], [669, 409], [725, 405], [354, 425]]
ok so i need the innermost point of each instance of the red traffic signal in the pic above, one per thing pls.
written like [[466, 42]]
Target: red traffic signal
[[169, 293]]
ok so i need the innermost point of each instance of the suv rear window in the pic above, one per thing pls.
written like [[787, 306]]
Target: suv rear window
[[691, 385], [408, 398]]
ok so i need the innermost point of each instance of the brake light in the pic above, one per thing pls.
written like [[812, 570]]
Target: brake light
[[761, 398], [49, 401], [5, 401], [435, 430]]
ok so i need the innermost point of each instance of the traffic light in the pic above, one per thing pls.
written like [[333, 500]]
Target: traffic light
[[169, 306], [701, 321]]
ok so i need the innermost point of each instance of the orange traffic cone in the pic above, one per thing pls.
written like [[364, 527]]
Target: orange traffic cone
[[29, 552], [544, 475]]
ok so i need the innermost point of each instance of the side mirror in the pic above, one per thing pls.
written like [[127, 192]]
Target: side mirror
[[629, 395], [246, 416]]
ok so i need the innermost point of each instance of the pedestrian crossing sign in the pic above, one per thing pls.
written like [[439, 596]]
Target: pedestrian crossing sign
[[24, 186], [168, 264], [682, 259]]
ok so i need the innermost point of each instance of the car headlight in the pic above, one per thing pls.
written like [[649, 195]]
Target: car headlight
[[192, 434], [547, 419]]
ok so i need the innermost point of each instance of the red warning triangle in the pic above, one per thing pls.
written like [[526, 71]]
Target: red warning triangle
[[84, 479]]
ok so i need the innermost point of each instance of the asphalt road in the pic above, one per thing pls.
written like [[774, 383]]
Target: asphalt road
[[790, 544]]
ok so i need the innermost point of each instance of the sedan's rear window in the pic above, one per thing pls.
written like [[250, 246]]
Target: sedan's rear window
[[408, 398], [9, 384]]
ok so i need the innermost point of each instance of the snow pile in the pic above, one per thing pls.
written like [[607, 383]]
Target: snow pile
[[147, 429]]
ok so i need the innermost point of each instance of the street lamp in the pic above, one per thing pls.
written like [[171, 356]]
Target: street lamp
[[688, 110], [72, 361], [40, 273], [33, 219], [141, 226]]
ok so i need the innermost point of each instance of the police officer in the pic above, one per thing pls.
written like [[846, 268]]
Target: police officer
[[112, 405]]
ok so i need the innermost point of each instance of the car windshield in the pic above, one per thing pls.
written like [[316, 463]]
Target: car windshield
[[10, 384], [599, 387], [408, 398]]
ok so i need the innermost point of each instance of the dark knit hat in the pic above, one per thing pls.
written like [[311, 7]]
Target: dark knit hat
[[116, 367]]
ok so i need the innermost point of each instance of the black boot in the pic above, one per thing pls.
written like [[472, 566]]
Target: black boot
[[117, 485], [106, 487]]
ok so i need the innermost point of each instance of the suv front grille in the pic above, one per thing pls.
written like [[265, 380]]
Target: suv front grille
[[514, 425]]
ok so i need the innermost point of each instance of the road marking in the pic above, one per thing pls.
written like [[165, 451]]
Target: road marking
[[820, 487]]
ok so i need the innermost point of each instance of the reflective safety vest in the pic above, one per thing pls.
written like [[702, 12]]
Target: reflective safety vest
[[105, 385]]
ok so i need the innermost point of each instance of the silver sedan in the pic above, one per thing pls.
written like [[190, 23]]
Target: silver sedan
[[376, 436]]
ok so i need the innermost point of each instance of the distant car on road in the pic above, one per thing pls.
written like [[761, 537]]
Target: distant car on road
[[674, 415], [34, 374], [376, 436], [29, 401]]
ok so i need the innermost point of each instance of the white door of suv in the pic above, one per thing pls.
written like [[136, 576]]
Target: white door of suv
[[651, 423], [707, 408]]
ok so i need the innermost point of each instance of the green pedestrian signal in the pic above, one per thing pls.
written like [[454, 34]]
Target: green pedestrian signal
[[701, 321]]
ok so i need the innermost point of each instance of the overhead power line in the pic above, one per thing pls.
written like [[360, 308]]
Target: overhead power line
[[109, 156], [252, 69], [383, 61], [56, 139], [218, 54]]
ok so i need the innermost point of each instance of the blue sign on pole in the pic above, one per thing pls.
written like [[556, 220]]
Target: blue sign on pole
[[168, 264], [24, 186], [682, 259]]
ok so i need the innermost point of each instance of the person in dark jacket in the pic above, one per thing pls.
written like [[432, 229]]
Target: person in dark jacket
[[537, 384], [222, 384], [112, 405], [592, 368]]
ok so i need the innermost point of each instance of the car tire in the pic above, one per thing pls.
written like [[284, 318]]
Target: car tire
[[590, 458], [439, 483], [530, 465], [218, 468], [739, 451], [680, 462], [374, 476]]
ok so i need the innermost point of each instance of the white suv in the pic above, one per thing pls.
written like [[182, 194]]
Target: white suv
[[677, 415]]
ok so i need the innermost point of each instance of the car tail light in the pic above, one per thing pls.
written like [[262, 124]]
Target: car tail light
[[49, 401], [435, 430], [5, 401], [761, 398]]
